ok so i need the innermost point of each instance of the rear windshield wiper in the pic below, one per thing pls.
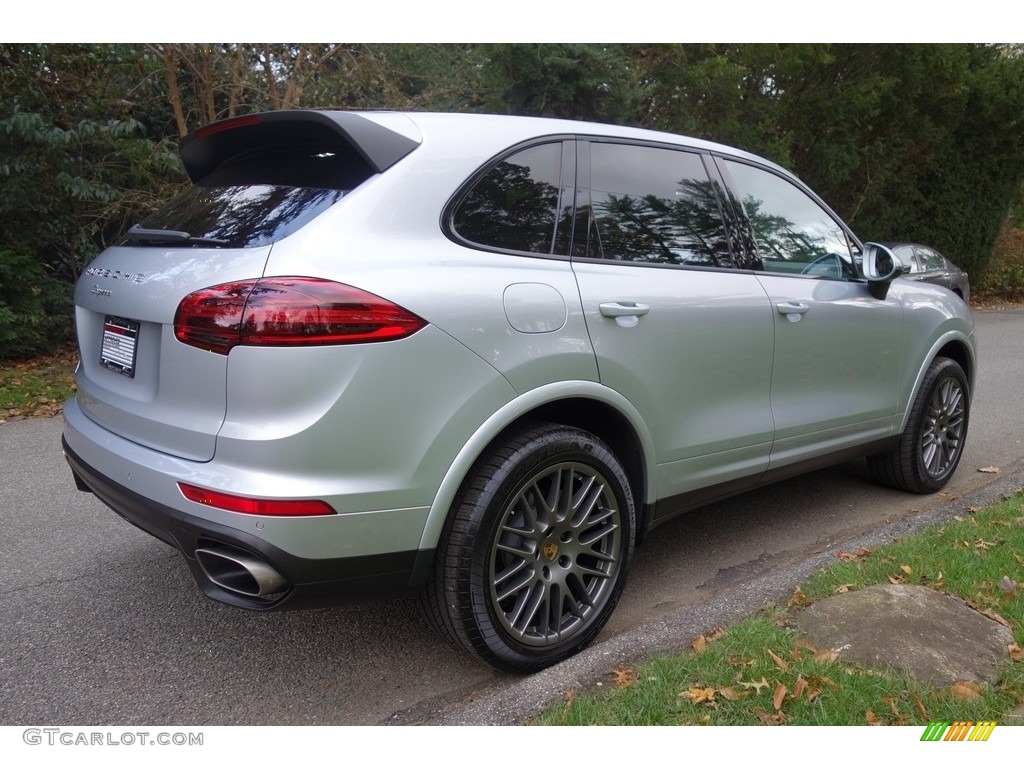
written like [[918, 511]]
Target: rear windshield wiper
[[143, 235]]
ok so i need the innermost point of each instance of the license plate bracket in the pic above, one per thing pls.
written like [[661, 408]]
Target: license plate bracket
[[120, 345]]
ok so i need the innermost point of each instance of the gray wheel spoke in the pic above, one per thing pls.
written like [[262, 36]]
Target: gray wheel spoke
[[597, 573], [526, 575], [536, 600], [596, 534], [585, 500], [556, 554], [520, 551], [942, 428]]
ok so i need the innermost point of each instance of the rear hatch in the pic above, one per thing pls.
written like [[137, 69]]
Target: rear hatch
[[256, 180]]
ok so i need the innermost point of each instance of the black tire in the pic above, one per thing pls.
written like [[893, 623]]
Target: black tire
[[932, 443], [534, 554]]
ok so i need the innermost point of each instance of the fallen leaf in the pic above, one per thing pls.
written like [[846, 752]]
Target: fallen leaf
[[989, 470], [826, 657], [871, 718], [906, 569], [732, 694], [1016, 652], [698, 695], [798, 600], [757, 686], [919, 706], [770, 718], [965, 689], [842, 589], [799, 688], [624, 677], [779, 697], [570, 697], [896, 579], [852, 557], [807, 645], [718, 634], [779, 662], [700, 644]]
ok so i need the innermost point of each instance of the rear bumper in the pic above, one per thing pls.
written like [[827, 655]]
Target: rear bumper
[[310, 581]]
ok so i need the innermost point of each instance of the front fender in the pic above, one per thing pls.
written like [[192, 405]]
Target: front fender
[[938, 323]]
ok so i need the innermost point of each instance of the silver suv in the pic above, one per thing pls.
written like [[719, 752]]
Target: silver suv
[[477, 358]]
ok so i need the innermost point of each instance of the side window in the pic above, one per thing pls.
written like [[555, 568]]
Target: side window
[[515, 205], [794, 234], [930, 259], [905, 253], [654, 206]]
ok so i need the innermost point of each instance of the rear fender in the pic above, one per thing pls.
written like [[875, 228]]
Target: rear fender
[[516, 409]]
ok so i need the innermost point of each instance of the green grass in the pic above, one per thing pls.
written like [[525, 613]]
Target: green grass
[[37, 387], [761, 670]]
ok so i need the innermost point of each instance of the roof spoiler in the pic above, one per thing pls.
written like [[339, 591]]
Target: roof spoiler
[[206, 148]]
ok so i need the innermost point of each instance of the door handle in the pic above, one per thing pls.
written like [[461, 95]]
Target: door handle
[[624, 309], [793, 310]]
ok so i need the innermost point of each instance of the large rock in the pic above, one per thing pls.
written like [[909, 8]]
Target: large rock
[[937, 638]]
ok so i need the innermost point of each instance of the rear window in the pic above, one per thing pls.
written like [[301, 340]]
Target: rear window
[[262, 196]]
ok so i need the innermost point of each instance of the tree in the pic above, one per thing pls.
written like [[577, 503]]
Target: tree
[[76, 166]]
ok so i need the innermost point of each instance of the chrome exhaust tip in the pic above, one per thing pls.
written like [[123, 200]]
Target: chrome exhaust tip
[[240, 572]]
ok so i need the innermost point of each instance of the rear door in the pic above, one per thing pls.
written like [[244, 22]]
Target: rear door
[[676, 328]]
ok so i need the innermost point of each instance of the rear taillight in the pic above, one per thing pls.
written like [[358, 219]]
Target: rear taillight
[[288, 311], [250, 506]]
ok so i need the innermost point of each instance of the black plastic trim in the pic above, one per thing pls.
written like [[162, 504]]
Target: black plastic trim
[[666, 509], [312, 581], [203, 150]]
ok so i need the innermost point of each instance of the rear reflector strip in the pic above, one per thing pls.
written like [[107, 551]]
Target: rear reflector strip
[[250, 506], [227, 125]]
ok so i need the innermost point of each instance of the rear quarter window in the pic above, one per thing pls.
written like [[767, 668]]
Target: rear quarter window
[[515, 205]]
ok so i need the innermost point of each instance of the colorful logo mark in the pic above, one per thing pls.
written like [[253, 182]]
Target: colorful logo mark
[[959, 731]]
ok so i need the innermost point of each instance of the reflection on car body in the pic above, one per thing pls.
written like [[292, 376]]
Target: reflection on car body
[[926, 264]]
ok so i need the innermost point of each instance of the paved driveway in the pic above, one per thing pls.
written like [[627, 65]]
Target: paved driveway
[[102, 624]]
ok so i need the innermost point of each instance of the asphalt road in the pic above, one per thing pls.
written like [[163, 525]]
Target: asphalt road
[[101, 624]]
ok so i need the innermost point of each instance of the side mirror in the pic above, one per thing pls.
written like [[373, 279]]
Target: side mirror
[[881, 267]]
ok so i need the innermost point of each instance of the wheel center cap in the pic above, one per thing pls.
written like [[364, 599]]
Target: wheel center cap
[[550, 550]]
